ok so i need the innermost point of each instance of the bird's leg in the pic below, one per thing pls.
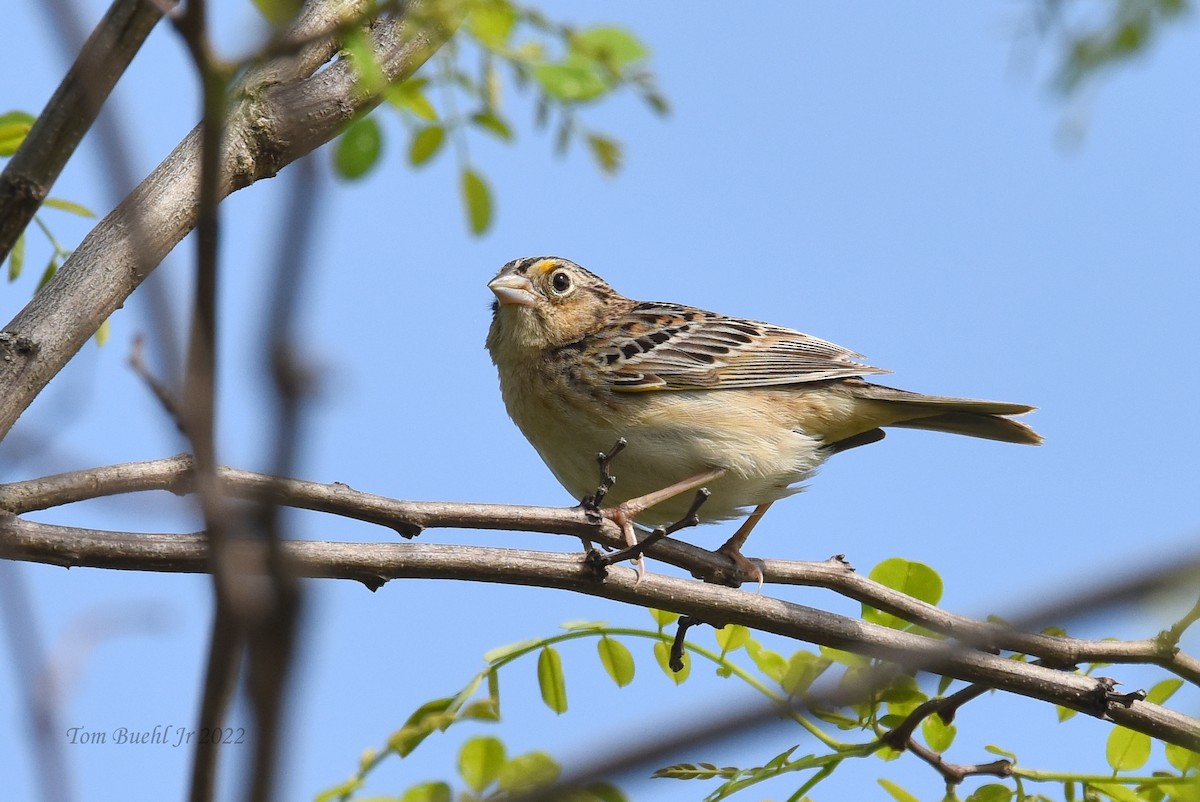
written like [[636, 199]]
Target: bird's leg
[[591, 504], [733, 547], [601, 561], [624, 513], [607, 480]]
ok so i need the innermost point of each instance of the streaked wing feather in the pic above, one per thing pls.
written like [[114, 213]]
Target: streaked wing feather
[[658, 346]]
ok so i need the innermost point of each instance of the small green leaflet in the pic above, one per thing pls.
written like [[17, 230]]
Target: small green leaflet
[[478, 200], [358, 149], [480, 761], [551, 681]]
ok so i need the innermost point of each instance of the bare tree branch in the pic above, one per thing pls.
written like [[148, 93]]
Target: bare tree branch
[[70, 112], [409, 518], [375, 563], [267, 128]]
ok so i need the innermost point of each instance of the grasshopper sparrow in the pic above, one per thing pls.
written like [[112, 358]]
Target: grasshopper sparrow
[[747, 408]]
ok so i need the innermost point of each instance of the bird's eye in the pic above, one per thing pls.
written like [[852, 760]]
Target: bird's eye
[[561, 282]]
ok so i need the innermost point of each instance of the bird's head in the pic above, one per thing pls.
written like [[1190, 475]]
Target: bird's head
[[546, 302]]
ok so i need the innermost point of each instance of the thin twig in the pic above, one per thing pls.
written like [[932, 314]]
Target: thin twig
[[272, 635], [166, 399], [955, 773]]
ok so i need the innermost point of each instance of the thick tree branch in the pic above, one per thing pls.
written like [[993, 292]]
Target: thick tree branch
[[408, 518], [374, 564], [268, 127], [69, 113]]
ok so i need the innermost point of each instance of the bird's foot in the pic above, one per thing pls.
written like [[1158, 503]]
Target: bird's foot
[[623, 515], [746, 570]]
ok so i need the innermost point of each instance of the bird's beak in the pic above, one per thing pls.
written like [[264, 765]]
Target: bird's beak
[[513, 289]]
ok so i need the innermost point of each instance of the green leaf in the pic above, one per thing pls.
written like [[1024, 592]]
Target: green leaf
[[896, 792], [358, 148], [550, 680], [358, 49], [425, 719], [278, 12], [480, 761], [14, 125], [845, 658], [617, 660], [340, 791], [48, 273], [493, 124], [902, 689], [1064, 713], [581, 625], [493, 687], [570, 81], [605, 792], [887, 753], [491, 85], [562, 138], [500, 652], [492, 24], [770, 663], [1127, 750], [662, 653], [657, 103], [16, 258], [1181, 758], [427, 792], [617, 48], [425, 144], [803, 668], [527, 771], [1163, 691], [409, 97], [695, 771], [101, 335], [69, 206], [992, 792], [839, 720], [481, 710], [995, 750], [944, 685], [1119, 793], [912, 578], [732, 637], [938, 734], [478, 201], [606, 152], [663, 618]]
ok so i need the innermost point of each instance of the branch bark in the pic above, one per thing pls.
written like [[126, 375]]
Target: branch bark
[[373, 564], [70, 112], [270, 123], [409, 518]]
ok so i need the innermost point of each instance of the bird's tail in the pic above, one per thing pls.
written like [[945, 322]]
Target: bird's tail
[[991, 420]]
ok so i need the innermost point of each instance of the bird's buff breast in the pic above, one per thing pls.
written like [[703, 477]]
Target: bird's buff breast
[[670, 436]]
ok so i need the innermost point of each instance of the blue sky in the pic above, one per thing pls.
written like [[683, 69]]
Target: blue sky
[[898, 179]]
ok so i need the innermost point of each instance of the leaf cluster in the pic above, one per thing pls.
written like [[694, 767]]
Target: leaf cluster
[[502, 43], [14, 127], [829, 693]]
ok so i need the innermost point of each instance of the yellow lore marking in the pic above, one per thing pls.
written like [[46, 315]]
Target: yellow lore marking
[[545, 265]]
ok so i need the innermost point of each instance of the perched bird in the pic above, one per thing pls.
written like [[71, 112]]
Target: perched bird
[[747, 409]]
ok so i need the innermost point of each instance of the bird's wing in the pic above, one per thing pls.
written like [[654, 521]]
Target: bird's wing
[[659, 346]]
